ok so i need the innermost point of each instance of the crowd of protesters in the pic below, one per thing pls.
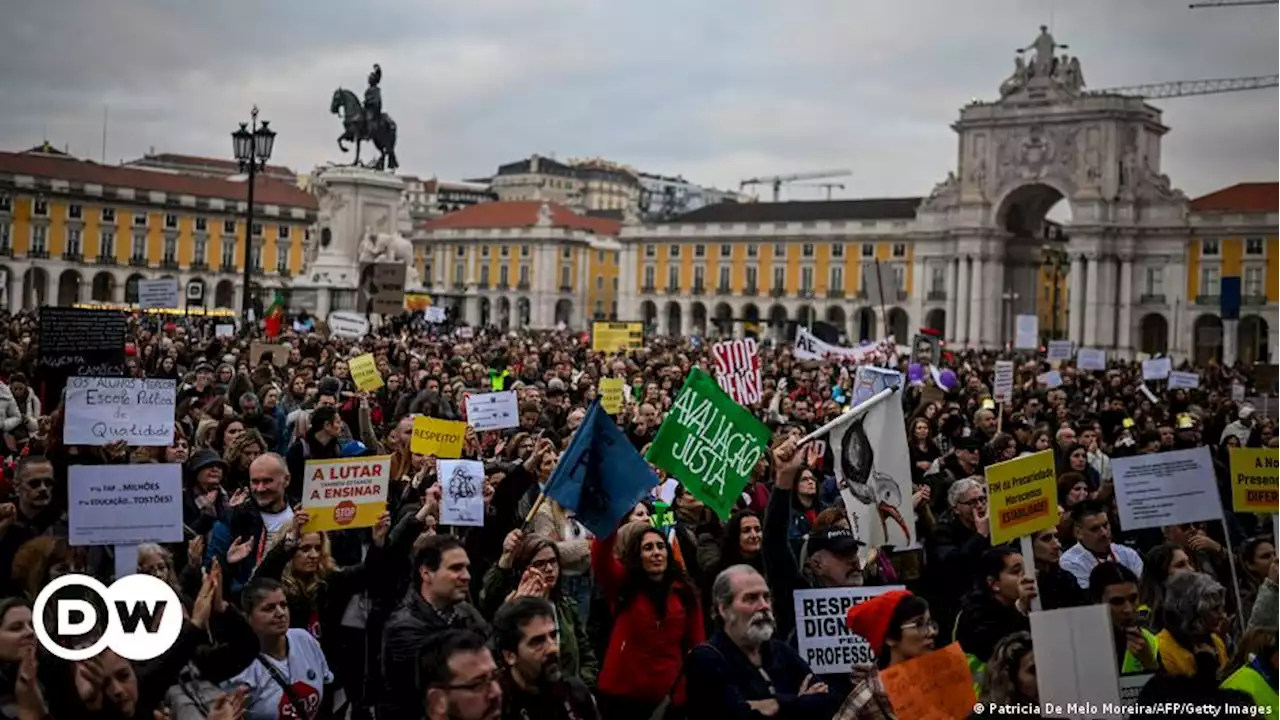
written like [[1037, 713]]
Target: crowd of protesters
[[679, 613]]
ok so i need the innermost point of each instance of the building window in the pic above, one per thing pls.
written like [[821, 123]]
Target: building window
[[171, 250], [1210, 280], [837, 250], [615, 283], [459, 273], [1154, 281], [937, 279], [600, 257], [1253, 282], [566, 271], [807, 250], [753, 251], [524, 251], [199, 250], [228, 227], [673, 251], [40, 207], [257, 229], [524, 275], [1209, 246], [504, 251], [282, 232], [899, 250], [228, 252], [649, 280], [837, 278], [699, 251], [779, 278], [282, 256], [484, 276], [170, 221], [39, 239], [108, 215], [6, 239], [255, 255], [599, 308], [806, 279], [724, 277], [504, 276], [899, 278], [460, 250], [752, 279], [600, 282], [138, 247], [650, 251], [726, 251], [6, 203], [779, 250], [699, 277], [73, 241], [75, 212], [484, 251], [1253, 246], [140, 219], [202, 224], [107, 245], [566, 253], [868, 250]]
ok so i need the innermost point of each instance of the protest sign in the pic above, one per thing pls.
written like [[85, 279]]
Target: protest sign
[[103, 410], [710, 443], [926, 349], [1002, 386], [364, 371], [1051, 379], [441, 438], [810, 347], [1183, 380], [1168, 488], [612, 337], [224, 330], [1022, 496], [462, 492], [1156, 368], [465, 332], [933, 686], [824, 641], [1254, 473], [493, 410], [276, 354], [611, 390], [1059, 350], [345, 493], [347, 324], [738, 370], [124, 504], [869, 380], [159, 293], [1091, 359], [434, 314], [1026, 332], [1077, 677], [1237, 392], [78, 342], [382, 288]]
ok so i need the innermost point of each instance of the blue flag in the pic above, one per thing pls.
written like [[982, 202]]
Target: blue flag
[[600, 477]]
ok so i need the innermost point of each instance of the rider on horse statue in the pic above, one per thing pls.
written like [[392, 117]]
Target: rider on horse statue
[[373, 103]]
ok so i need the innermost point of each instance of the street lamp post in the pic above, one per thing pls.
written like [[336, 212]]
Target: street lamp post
[[252, 144]]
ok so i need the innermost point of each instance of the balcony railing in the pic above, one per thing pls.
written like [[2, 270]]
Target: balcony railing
[[806, 292], [6, 251], [105, 259], [136, 261], [1253, 300], [751, 290], [902, 295], [483, 285], [200, 266], [73, 256], [698, 290], [937, 295], [169, 264], [1151, 299], [723, 290], [777, 292], [501, 285], [522, 285], [648, 289], [227, 267], [1208, 300], [673, 289], [835, 293], [566, 288], [283, 271], [42, 254]]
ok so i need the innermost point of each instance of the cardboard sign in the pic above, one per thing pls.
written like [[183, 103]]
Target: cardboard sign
[[441, 438], [1156, 368], [493, 411], [1255, 474], [824, 641], [159, 293], [1184, 380], [738, 370], [1168, 488], [1022, 496], [364, 371], [382, 288], [1059, 350], [1091, 359], [224, 330], [1002, 385], [279, 354], [612, 337], [347, 325], [103, 410], [1077, 676], [346, 493], [1026, 333], [124, 504], [933, 686], [611, 394], [462, 492]]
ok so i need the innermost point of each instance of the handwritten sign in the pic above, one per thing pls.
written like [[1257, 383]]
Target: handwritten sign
[[364, 371], [933, 686], [822, 637], [611, 390], [1059, 350], [1002, 387], [1091, 359], [493, 411], [738, 370], [612, 337], [78, 341], [159, 293], [1255, 479], [462, 492], [103, 410], [124, 504], [1023, 493], [347, 324], [1183, 380], [1156, 368], [441, 438], [345, 494], [224, 330]]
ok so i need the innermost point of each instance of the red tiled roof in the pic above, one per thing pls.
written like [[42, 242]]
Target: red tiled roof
[[268, 192], [231, 166], [520, 214], [1254, 197]]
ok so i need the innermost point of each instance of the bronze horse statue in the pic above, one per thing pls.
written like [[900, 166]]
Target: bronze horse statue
[[355, 128]]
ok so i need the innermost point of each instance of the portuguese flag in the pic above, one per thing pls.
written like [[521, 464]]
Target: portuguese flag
[[275, 316]]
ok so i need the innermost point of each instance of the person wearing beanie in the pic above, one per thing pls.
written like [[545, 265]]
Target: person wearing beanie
[[898, 627]]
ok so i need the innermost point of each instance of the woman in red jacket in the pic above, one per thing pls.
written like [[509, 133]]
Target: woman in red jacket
[[656, 623]]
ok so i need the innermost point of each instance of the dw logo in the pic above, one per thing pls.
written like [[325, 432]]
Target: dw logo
[[144, 617]]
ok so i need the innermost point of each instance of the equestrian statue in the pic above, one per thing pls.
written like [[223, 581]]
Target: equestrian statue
[[366, 122]]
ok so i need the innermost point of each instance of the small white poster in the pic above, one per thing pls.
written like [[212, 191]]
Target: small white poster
[[1051, 379], [224, 330], [1027, 333], [160, 293], [465, 332], [103, 410], [434, 314], [124, 504], [1002, 387], [1237, 392], [822, 637], [1168, 488], [461, 492], [493, 411], [1156, 368], [1183, 380], [348, 325], [1078, 678], [1091, 359], [1059, 350]]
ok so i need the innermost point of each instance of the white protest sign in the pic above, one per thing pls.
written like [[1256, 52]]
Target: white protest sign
[[102, 410], [465, 332], [224, 330], [124, 504], [1156, 368], [1091, 359], [1184, 380], [434, 314], [1059, 350], [809, 347], [462, 492], [821, 635], [1237, 392], [1026, 333], [1002, 386], [160, 293], [348, 324], [1077, 678], [1051, 379], [493, 411], [1168, 488]]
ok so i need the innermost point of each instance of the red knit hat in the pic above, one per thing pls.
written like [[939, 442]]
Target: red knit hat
[[870, 619]]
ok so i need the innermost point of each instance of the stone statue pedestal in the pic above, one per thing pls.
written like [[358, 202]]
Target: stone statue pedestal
[[353, 201]]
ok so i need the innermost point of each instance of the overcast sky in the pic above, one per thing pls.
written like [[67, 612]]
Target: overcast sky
[[715, 90]]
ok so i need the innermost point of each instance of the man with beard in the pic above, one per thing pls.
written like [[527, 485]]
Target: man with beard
[[742, 670], [533, 686], [458, 678]]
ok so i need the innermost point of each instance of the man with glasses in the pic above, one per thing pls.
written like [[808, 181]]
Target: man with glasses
[[458, 678], [1116, 587], [1092, 528], [32, 514], [962, 535]]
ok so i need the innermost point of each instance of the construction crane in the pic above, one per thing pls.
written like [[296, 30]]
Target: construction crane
[[1188, 88], [828, 186], [777, 181], [1231, 3]]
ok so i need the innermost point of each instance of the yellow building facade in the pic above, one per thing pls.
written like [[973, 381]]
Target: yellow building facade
[[76, 232]]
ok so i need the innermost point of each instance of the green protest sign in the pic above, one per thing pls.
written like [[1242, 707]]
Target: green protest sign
[[709, 443]]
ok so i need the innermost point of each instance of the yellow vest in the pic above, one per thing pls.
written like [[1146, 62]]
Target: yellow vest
[[1132, 664], [1252, 683]]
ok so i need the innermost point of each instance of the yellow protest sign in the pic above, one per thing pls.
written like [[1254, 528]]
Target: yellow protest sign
[[1023, 496], [364, 370], [611, 337], [611, 395], [433, 436], [346, 493], [1255, 479]]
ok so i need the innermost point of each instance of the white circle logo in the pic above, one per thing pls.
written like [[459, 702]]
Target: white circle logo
[[144, 617]]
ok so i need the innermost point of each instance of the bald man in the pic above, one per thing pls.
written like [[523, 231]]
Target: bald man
[[239, 540]]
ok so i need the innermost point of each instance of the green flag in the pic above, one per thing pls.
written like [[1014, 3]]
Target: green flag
[[709, 443]]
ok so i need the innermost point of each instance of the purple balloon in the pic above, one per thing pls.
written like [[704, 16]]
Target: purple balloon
[[948, 378], [915, 373]]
